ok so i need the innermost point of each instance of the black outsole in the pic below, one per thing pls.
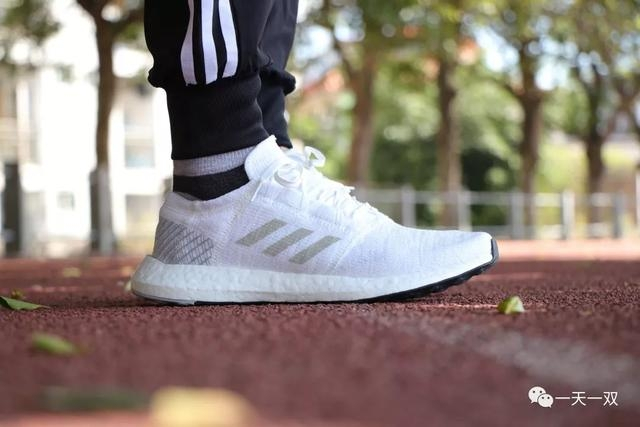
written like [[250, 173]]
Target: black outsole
[[395, 297], [439, 286]]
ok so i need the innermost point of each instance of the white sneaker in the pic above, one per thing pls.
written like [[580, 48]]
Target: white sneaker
[[293, 235]]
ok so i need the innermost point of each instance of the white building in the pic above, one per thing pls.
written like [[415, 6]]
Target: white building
[[47, 126]]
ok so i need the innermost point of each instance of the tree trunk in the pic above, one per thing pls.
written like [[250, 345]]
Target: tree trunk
[[11, 209], [362, 120], [531, 104], [594, 141], [102, 225], [595, 164], [448, 143], [629, 108]]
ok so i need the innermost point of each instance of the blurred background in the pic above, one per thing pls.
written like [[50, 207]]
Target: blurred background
[[515, 117]]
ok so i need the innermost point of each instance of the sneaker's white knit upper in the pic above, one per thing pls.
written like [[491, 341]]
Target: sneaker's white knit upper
[[290, 218]]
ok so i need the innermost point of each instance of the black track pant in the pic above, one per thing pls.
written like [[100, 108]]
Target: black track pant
[[221, 63]]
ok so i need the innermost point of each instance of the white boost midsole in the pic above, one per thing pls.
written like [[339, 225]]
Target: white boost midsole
[[190, 283]]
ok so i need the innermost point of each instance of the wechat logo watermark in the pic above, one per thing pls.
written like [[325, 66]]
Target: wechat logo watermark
[[540, 396]]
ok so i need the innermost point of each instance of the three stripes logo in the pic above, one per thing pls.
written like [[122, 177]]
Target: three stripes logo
[[211, 32], [288, 240]]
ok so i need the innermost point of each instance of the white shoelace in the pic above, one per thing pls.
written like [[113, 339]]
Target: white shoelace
[[301, 173]]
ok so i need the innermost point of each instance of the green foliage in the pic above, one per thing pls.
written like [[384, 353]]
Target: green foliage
[[406, 121], [329, 131], [489, 115], [132, 35], [601, 45], [511, 305], [63, 399], [562, 167], [489, 135], [18, 304], [566, 109], [53, 344], [26, 21], [29, 19], [413, 38]]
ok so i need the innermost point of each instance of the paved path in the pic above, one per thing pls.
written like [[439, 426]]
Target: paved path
[[449, 359]]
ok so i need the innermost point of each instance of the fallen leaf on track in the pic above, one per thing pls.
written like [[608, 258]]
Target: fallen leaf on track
[[63, 399], [16, 294], [71, 272], [53, 344], [511, 305], [185, 407], [16, 304], [127, 270]]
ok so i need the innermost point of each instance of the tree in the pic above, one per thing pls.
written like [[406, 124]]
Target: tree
[[363, 32], [626, 80], [446, 43], [602, 46], [433, 34], [525, 27], [113, 20], [629, 92], [407, 123], [26, 21]]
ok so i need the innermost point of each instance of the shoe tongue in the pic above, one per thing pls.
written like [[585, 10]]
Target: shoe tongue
[[262, 157]]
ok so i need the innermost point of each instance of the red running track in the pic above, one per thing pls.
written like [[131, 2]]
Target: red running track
[[446, 360]]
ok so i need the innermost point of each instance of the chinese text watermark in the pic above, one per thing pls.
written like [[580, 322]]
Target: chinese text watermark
[[540, 396]]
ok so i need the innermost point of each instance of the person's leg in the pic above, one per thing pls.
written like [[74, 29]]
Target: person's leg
[[276, 81], [207, 58], [290, 234]]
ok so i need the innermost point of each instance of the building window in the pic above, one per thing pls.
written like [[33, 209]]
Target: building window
[[7, 98], [66, 201], [8, 125], [142, 213], [139, 151]]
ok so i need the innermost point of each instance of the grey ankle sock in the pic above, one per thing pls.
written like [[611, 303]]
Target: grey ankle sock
[[211, 164], [213, 176]]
